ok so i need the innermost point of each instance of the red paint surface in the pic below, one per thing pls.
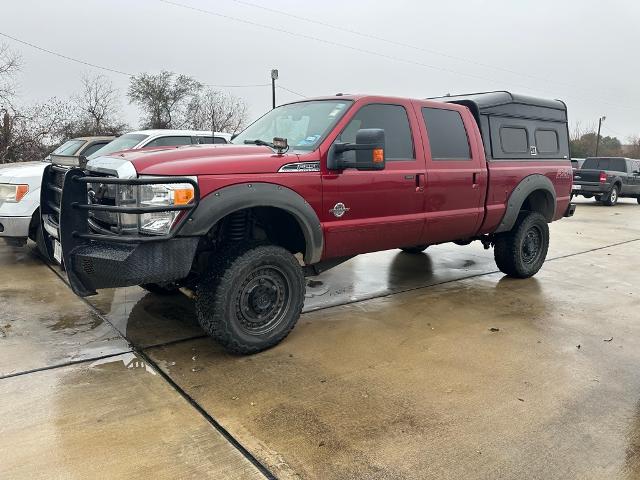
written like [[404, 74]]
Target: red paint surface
[[387, 209]]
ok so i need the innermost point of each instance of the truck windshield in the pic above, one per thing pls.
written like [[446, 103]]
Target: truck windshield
[[610, 164], [303, 124], [124, 142], [69, 147]]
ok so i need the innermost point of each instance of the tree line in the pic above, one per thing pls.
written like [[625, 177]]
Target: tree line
[[165, 100], [583, 144]]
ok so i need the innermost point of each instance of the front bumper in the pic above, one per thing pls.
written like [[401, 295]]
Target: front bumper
[[97, 260], [15, 227]]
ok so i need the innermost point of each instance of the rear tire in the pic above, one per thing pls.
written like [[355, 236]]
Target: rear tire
[[638, 199], [415, 249], [611, 198], [251, 298], [598, 198], [521, 252]]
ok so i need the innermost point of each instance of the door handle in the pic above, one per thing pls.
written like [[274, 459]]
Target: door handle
[[419, 183], [475, 180]]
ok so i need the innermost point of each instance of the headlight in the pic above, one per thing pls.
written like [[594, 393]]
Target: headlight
[[12, 193], [156, 195]]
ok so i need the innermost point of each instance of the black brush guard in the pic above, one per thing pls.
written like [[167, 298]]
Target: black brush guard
[[96, 260]]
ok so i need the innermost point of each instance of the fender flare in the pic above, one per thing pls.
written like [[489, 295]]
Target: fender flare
[[519, 194], [220, 203]]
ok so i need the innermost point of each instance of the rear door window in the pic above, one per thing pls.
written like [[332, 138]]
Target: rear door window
[[169, 141], [393, 120], [447, 136]]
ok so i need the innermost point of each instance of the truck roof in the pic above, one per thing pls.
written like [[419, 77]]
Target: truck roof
[[485, 100], [166, 132]]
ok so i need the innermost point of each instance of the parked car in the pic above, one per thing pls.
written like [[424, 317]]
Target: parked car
[[325, 179], [608, 179], [20, 190], [162, 138]]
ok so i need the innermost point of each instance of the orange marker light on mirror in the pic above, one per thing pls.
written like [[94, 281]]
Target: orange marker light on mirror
[[378, 155]]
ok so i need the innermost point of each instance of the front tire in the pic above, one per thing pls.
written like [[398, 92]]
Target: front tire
[[612, 197], [521, 252], [415, 249], [160, 288], [251, 298]]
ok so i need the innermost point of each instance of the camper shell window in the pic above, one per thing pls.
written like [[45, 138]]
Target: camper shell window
[[518, 127]]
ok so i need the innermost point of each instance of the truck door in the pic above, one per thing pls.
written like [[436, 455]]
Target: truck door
[[366, 211], [456, 174]]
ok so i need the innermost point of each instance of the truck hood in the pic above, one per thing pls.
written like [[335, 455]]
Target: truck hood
[[206, 160], [23, 172]]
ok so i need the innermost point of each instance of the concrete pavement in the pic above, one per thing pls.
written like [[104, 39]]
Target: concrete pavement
[[427, 366]]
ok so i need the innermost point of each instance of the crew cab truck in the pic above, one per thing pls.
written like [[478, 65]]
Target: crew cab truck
[[608, 179], [308, 186]]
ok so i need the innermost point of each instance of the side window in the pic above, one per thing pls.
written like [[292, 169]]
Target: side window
[[618, 165], [447, 135], [393, 120], [547, 141], [514, 140], [169, 142], [93, 148], [210, 140]]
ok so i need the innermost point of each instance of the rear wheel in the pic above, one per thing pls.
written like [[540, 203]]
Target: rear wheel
[[251, 298], [598, 198], [415, 249], [521, 252], [612, 197], [638, 199]]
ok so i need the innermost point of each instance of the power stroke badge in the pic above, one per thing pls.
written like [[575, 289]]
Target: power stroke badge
[[339, 209]]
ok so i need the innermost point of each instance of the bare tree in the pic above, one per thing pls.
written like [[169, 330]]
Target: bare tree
[[633, 147], [216, 110], [10, 63], [163, 97], [30, 133], [98, 107]]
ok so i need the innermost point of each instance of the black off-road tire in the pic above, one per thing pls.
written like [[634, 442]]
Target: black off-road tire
[[611, 199], [521, 252], [638, 199], [235, 301], [160, 289], [598, 198], [415, 249]]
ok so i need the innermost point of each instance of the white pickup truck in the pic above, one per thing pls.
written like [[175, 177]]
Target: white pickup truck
[[20, 190]]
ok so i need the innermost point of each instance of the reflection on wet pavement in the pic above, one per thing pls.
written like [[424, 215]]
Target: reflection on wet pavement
[[113, 418], [480, 378], [42, 323]]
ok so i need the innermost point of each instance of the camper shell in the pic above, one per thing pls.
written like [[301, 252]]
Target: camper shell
[[518, 127]]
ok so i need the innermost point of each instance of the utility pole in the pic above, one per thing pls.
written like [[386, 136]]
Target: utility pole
[[600, 120], [274, 77]]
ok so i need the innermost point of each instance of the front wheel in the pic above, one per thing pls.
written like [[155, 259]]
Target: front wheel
[[521, 252], [251, 298], [612, 198]]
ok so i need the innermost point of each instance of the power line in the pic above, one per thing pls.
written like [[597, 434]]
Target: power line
[[108, 69], [363, 50], [292, 91], [393, 42]]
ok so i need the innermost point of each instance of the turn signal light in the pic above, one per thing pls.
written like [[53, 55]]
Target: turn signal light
[[21, 191], [182, 196], [378, 155]]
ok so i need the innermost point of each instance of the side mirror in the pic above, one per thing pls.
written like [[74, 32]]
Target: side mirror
[[369, 152]]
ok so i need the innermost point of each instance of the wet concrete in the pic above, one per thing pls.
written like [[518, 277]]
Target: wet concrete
[[113, 418], [42, 323], [372, 383], [416, 385]]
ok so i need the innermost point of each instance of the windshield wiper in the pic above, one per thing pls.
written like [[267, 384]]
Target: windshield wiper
[[259, 142]]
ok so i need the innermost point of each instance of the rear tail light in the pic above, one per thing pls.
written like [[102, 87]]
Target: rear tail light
[[603, 177]]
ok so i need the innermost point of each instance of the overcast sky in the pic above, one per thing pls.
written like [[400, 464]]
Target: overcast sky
[[583, 52]]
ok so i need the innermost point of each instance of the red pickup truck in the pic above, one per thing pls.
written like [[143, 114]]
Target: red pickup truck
[[306, 187]]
